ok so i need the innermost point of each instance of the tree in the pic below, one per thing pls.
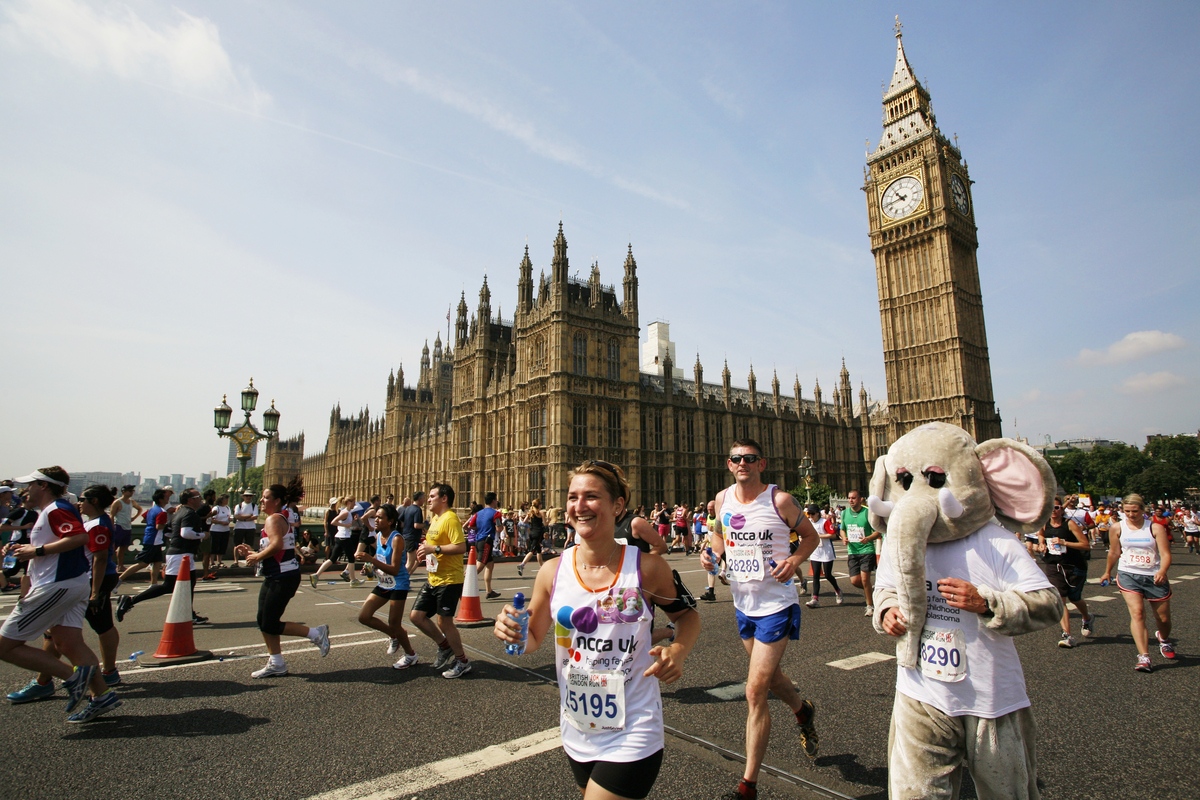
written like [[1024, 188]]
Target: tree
[[1110, 469], [819, 492], [1159, 481], [1181, 452]]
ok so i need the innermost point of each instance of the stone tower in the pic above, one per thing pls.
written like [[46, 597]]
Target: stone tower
[[923, 237]]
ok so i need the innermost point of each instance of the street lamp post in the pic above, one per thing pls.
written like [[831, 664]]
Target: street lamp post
[[246, 435], [806, 472]]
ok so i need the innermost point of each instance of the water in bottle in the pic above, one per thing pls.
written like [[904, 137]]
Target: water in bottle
[[522, 619], [713, 569]]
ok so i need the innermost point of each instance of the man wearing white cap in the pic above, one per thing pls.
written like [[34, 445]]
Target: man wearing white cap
[[57, 598], [245, 523]]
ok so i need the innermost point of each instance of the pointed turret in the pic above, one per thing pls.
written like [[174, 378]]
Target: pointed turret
[[437, 349], [845, 391], [752, 382], [460, 323], [668, 376], [698, 371], [776, 401], [400, 376], [525, 285], [594, 286], [817, 397], [907, 113], [560, 266], [543, 289], [796, 389], [629, 306], [863, 401], [485, 308], [391, 384], [727, 385]]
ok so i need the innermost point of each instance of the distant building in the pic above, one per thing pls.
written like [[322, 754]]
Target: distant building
[[82, 480], [657, 348]]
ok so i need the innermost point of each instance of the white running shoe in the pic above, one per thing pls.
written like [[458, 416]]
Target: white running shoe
[[444, 657], [459, 669], [870, 610], [406, 661], [322, 641], [393, 647], [270, 671], [815, 602], [839, 598]]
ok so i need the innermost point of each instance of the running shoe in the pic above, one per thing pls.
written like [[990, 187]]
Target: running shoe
[[709, 595], [808, 730], [444, 657], [356, 582], [1066, 640], [77, 686], [312, 579], [459, 669], [870, 611], [111, 678], [1143, 663], [32, 691], [492, 595], [199, 620], [393, 647], [406, 661], [124, 603], [839, 598], [95, 707], [322, 641], [803, 587], [815, 602], [345, 577], [724, 580], [1089, 627], [270, 671], [212, 576], [521, 570], [1166, 648]]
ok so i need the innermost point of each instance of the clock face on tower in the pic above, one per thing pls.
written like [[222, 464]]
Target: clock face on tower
[[902, 197], [958, 190]]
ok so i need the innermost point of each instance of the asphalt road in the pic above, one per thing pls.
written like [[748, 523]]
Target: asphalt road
[[350, 725]]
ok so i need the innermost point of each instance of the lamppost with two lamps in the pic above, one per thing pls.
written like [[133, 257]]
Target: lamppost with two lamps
[[246, 436]]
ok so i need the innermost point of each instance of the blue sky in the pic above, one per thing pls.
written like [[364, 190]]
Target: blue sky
[[199, 192]]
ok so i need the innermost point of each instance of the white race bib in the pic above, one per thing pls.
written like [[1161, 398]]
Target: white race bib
[[595, 701], [745, 563], [854, 534], [1138, 558], [942, 655], [431, 563], [1055, 547], [384, 581]]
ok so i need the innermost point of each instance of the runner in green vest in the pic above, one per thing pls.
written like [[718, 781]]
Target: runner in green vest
[[860, 544]]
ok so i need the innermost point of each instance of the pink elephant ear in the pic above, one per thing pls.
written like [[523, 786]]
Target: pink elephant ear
[[1015, 484]]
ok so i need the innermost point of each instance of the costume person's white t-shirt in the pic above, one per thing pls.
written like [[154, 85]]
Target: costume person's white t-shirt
[[992, 683]]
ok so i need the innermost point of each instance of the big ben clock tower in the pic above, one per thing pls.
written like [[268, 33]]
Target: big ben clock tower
[[924, 240]]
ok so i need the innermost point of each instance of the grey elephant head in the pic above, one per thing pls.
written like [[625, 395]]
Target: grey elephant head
[[936, 485]]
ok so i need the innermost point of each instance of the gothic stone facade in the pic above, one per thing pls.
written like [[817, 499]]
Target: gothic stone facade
[[516, 404], [923, 236]]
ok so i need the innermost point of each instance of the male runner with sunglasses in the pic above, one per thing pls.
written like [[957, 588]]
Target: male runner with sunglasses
[[755, 521]]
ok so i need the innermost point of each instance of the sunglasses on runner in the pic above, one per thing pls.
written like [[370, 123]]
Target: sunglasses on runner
[[749, 458]]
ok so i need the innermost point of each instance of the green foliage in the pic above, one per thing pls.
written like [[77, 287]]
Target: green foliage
[[1181, 452], [1159, 481], [819, 492], [231, 487]]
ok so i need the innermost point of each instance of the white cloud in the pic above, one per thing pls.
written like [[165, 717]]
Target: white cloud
[[1138, 344], [1151, 382], [187, 56], [722, 97]]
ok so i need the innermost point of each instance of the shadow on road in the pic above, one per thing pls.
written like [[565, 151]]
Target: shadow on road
[[699, 696], [201, 722], [177, 689], [854, 772]]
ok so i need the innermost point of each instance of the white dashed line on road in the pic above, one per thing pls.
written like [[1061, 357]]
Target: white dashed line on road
[[857, 662], [1188, 577], [1102, 598], [428, 776]]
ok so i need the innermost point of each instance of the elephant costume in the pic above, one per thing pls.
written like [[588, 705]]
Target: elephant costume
[[955, 586]]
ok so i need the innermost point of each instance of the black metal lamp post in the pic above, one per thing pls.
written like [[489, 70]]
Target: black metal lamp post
[[246, 435]]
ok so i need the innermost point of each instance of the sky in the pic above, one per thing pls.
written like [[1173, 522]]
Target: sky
[[197, 193]]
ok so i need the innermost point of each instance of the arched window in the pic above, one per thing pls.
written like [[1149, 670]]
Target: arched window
[[579, 361], [614, 360]]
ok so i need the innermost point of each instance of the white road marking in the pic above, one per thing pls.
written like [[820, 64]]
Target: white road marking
[[734, 692], [1188, 577], [339, 603], [409, 782], [1103, 598], [864, 660]]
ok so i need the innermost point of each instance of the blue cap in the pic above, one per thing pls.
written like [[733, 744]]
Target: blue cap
[[518, 601]]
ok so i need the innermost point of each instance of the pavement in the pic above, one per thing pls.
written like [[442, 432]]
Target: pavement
[[349, 726]]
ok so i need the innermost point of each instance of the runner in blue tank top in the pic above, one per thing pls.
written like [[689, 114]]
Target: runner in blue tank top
[[392, 587], [755, 523]]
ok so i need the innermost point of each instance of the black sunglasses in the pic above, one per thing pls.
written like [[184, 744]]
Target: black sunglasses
[[749, 458], [593, 462]]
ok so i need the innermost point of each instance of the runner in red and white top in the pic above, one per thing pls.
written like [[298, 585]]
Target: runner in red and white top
[[59, 590]]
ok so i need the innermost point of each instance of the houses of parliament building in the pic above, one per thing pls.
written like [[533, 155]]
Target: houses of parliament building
[[511, 406]]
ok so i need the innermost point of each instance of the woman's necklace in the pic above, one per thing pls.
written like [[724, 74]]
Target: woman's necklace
[[607, 561]]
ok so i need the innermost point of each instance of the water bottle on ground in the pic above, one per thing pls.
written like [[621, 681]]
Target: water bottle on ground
[[134, 655], [714, 568], [522, 619]]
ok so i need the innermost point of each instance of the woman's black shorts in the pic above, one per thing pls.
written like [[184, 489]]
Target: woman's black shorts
[[632, 779]]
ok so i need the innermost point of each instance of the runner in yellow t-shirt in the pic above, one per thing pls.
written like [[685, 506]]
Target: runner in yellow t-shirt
[[442, 553]]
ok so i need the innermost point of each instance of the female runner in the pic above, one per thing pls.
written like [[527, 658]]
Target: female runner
[[392, 586], [596, 596], [1141, 553], [281, 578]]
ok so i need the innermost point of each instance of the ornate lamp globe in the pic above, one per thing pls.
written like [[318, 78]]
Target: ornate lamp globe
[[221, 414], [271, 419], [249, 397]]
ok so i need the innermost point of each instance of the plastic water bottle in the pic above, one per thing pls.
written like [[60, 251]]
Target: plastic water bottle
[[10, 561], [134, 655], [522, 619], [714, 568]]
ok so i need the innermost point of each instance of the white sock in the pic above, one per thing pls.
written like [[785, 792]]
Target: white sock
[[275, 659], [313, 635]]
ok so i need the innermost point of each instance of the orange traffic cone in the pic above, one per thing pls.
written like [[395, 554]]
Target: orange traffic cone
[[468, 607], [177, 645]]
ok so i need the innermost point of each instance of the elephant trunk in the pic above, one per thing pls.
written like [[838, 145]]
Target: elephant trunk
[[908, 527]]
